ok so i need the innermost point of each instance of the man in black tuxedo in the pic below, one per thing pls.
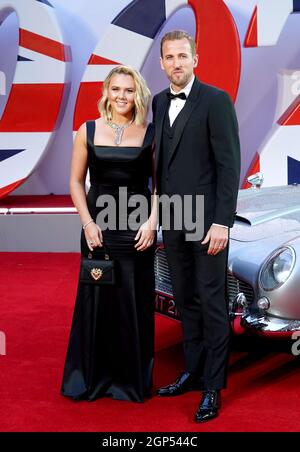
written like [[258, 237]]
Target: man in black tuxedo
[[198, 153]]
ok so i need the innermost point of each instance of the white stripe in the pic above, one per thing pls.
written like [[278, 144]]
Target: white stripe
[[21, 165], [23, 140], [43, 69], [281, 142], [124, 46], [2, 83], [288, 90], [36, 17], [173, 5], [96, 72], [271, 17]]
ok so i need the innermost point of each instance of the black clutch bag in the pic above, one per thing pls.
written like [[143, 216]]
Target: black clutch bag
[[97, 271]]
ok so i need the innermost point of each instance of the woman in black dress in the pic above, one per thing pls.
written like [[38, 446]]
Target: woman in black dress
[[110, 350]]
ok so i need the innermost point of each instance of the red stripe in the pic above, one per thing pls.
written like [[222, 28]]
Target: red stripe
[[291, 117], [6, 190], [32, 108], [218, 45], [251, 39], [38, 43], [96, 59], [86, 105], [253, 168]]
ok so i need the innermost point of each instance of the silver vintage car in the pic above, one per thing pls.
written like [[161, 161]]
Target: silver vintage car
[[263, 265]]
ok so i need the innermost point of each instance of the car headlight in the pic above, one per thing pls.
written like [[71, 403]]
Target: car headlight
[[277, 268]]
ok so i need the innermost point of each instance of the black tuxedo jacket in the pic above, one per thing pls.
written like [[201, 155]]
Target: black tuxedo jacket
[[205, 154]]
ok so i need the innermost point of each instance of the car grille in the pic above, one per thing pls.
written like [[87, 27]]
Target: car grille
[[236, 286], [163, 280], [162, 273]]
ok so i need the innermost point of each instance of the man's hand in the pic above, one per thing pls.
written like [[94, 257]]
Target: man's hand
[[217, 237]]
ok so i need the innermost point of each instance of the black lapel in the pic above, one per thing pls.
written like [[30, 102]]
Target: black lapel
[[159, 121], [192, 101]]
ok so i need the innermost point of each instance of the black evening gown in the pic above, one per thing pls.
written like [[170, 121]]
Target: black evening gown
[[111, 344]]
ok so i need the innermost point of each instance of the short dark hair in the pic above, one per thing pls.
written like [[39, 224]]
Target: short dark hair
[[178, 34]]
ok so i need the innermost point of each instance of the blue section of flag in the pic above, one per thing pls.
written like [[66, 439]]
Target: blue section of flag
[[45, 2], [296, 6], [293, 171], [7, 153], [143, 17], [20, 58]]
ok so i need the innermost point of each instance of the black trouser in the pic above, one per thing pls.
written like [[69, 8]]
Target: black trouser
[[199, 282]]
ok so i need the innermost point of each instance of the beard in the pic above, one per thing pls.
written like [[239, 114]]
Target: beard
[[181, 80]]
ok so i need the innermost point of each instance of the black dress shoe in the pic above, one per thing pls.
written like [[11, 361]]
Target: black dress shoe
[[184, 383], [209, 406]]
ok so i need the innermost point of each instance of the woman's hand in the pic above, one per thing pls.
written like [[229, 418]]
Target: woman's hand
[[145, 236], [93, 236]]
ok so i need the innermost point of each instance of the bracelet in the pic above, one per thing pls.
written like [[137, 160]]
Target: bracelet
[[86, 224]]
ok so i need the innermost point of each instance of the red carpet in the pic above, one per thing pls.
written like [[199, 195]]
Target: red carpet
[[37, 296], [36, 201]]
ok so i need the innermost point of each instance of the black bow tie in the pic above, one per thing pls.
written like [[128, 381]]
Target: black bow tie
[[176, 96]]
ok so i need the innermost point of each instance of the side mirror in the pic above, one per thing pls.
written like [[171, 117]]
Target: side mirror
[[255, 180]]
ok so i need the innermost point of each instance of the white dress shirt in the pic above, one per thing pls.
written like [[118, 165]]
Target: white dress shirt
[[176, 105]]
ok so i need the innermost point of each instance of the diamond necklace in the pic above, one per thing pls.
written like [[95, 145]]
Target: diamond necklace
[[118, 130]]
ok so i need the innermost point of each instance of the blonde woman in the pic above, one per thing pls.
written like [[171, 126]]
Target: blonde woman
[[110, 350]]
